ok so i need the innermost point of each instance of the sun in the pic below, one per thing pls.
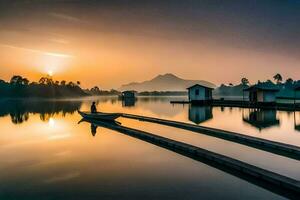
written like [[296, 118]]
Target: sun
[[50, 73]]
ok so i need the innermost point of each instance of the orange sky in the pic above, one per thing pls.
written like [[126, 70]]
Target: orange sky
[[116, 46]]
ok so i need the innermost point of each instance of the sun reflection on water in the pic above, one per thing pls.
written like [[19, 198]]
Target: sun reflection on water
[[51, 122]]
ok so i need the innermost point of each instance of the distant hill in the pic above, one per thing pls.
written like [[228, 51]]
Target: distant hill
[[166, 82]]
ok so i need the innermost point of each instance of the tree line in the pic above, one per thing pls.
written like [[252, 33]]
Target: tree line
[[46, 87], [237, 90]]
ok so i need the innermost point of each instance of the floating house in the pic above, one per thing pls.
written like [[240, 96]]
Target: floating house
[[200, 93], [263, 92], [199, 114], [297, 91], [261, 119], [129, 94]]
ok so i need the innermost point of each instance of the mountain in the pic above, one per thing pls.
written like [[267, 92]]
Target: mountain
[[166, 82]]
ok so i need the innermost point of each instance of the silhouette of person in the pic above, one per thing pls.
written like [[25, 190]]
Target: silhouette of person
[[93, 129], [93, 108]]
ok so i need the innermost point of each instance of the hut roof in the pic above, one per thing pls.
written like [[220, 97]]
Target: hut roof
[[129, 91], [199, 85], [266, 86]]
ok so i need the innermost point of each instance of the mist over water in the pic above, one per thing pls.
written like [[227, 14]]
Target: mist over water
[[44, 150]]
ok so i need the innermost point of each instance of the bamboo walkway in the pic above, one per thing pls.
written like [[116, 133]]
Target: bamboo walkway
[[243, 104], [274, 182], [286, 150]]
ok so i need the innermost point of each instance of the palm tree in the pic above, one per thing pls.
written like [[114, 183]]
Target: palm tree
[[278, 78]]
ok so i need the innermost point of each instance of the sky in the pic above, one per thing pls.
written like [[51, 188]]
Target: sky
[[113, 42]]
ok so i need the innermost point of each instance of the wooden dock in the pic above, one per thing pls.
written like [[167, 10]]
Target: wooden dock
[[244, 104], [274, 182], [286, 150]]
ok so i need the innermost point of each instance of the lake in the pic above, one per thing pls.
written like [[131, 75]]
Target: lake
[[46, 154]]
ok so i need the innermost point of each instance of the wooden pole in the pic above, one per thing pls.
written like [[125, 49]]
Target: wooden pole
[[294, 100]]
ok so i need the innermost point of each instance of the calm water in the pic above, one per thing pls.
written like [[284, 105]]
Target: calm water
[[46, 154]]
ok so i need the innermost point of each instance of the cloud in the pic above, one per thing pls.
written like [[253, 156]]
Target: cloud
[[39, 51], [59, 41], [64, 177], [67, 17]]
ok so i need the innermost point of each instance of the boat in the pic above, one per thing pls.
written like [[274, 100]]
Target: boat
[[100, 116]]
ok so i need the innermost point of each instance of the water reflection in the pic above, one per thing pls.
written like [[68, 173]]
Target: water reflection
[[232, 119], [199, 114], [115, 126], [128, 102], [260, 118], [296, 121], [19, 110], [93, 129], [79, 160], [97, 123]]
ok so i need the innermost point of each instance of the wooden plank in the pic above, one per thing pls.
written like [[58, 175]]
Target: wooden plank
[[286, 150]]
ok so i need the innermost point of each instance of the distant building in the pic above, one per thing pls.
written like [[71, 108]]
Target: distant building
[[296, 98], [261, 119], [199, 93], [128, 94], [199, 114], [297, 90], [263, 92]]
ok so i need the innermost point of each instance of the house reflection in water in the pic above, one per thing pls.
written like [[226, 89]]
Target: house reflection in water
[[128, 102], [297, 121], [199, 114], [260, 118]]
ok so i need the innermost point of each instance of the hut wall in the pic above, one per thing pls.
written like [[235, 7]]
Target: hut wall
[[193, 96], [269, 96]]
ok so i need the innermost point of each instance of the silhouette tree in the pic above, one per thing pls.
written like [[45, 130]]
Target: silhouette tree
[[71, 84], [45, 87], [25, 81], [95, 90], [289, 81], [16, 80], [63, 83], [244, 81], [278, 78], [46, 81]]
